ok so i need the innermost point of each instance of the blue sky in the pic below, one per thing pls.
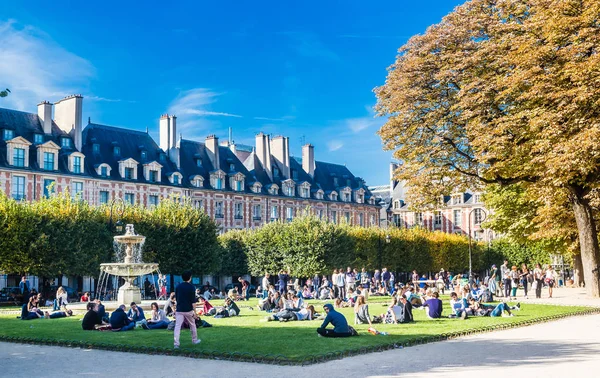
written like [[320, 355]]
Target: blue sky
[[301, 69]]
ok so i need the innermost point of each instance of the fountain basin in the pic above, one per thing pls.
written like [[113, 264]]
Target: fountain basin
[[128, 270]]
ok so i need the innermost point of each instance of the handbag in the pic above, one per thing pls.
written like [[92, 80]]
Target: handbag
[[534, 285]]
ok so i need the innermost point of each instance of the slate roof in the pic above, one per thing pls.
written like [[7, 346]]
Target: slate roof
[[132, 143]]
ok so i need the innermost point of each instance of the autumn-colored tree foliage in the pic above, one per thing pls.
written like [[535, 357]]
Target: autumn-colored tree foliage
[[502, 92]]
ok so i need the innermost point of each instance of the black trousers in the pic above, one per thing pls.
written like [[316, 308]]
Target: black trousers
[[538, 289], [507, 287], [325, 332]]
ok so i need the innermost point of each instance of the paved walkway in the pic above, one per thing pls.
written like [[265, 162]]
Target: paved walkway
[[565, 348]]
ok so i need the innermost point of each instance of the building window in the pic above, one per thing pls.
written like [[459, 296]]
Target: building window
[[8, 134], [117, 151], [275, 172], [372, 220], [289, 191], [128, 173], [238, 185], [153, 175], [103, 197], [256, 211], [238, 211], [103, 171], [153, 200], [198, 162], [274, 212], [361, 219], [347, 216], [438, 218], [476, 198], [334, 216], [18, 187], [231, 167], [19, 157], [457, 218], [419, 219], [477, 216], [456, 200], [289, 213], [320, 213], [96, 148], [305, 192], [176, 179], [218, 183], [77, 189], [76, 164], [48, 187], [49, 161], [144, 154], [130, 198], [198, 204], [38, 138], [219, 209], [65, 142]]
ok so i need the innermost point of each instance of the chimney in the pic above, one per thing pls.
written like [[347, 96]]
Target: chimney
[[308, 159], [45, 115], [68, 117], [279, 149], [172, 131], [393, 182], [212, 149], [263, 152], [164, 130]]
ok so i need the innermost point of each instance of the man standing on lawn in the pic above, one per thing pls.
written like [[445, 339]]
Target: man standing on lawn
[[185, 293]]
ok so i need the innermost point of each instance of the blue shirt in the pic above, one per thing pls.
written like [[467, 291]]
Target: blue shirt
[[134, 316], [339, 322], [185, 293], [434, 306], [118, 319]]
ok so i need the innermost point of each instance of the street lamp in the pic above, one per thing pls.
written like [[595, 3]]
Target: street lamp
[[120, 209], [470, 250], [388, 239]]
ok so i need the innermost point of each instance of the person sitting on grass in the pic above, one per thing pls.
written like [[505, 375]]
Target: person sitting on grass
[[434, 306], [479, 309], [459, 306], [85, 297], [393, 313], [119, 320], [207, 308], [58, 314], [228, 310], [136, 315], [406, 315], [91, 317], [339, 303], [29, 311], [340, 325], [99, 308], [361, 311], [306, 293], [158, 320], [170, 305]]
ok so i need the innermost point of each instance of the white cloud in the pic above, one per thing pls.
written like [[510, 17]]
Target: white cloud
[[269, 119], [104, 99], [362, 123], [192, 108], [334, 145], [36, 68]]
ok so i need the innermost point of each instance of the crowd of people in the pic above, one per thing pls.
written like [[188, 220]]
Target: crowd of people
[[285, 300]]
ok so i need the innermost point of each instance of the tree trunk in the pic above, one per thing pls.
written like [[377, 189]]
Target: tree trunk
[[588, 241], [577, 271]]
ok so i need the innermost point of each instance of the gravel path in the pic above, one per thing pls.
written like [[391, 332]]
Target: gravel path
[[564, 348]]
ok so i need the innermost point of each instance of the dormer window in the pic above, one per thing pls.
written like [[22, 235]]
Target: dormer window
[[117, 151], [153, 176], [197, 181], [273, 190], [152, 171], [237, 182], [128, 173], [289, 188], [359, 195], [65, 142], [231, 167], [18, 152], [335, 181], [457, 199], [256, 188], [175, 178], [144, 154], [77, 164], [333, 196], [76, 161], [199, 162], [305, 190], [103, 171], [96, 148], [217, 179], [38, 138], [49, 161], [275, 172], [8, 134], [319, 194]]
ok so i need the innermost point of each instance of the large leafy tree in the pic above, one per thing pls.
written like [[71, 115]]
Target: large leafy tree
[[502, 92]]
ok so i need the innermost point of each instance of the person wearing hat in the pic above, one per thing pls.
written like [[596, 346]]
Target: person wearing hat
[[340, 325]]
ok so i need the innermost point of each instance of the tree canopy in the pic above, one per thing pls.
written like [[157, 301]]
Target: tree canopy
[[502, 92]]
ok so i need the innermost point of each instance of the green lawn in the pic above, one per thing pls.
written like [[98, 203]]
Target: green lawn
[[246, 334]]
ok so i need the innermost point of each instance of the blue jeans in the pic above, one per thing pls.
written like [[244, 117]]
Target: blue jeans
[[499, 310], [158, 325], [128, 327]]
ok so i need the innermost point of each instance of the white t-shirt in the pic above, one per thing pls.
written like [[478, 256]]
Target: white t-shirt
[[302, 314], [265, 283], [550, 274], [397, 311]]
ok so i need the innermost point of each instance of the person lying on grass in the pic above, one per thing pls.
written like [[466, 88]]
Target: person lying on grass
[[292, 315], [229, 309], [64, 313], [340, 325], [479, 309]]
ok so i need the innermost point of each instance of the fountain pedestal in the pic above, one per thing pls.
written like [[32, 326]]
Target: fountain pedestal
[[129, 293]]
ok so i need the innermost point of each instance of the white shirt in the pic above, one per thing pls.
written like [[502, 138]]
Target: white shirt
[[303, 314], [265, 283]]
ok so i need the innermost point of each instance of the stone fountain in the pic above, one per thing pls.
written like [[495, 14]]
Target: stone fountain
[[131, 267]]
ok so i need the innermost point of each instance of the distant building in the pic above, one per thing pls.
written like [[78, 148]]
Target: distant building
[[452, 216]]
